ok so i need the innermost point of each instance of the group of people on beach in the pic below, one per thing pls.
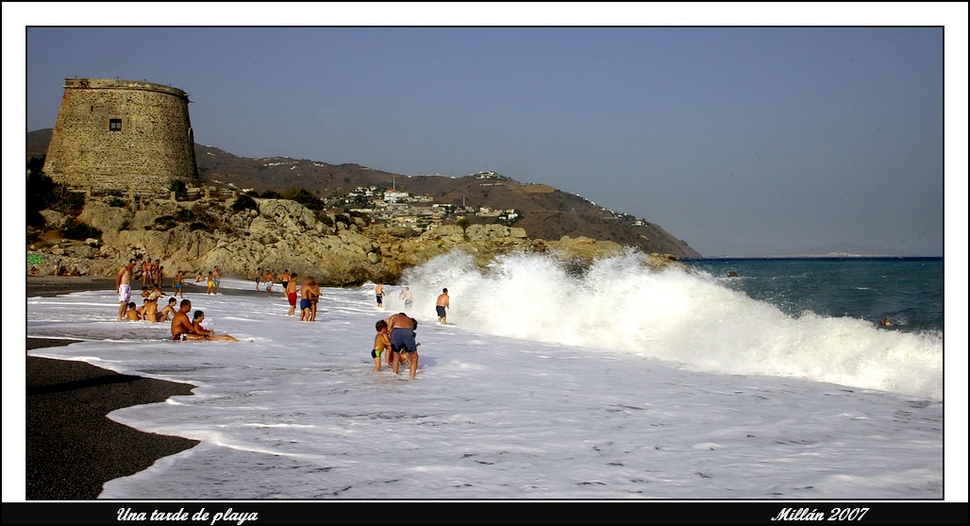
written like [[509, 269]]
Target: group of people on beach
[[149, 310], [307, 294], [394, 343], [182, 328], [441, 304], [152, 273]]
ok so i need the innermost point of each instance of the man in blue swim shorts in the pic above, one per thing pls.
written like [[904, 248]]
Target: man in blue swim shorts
[[402, 341], [441, 306]]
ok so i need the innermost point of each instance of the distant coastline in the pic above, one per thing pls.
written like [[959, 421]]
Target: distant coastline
[[835, 255]]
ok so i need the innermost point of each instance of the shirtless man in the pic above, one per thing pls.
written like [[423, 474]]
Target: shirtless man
[[159, 276], [314, 300], [168, 312], [291, 293], [401, 327], [153, 278], [406, 296], [183, 329], [441, 306], [123, 287], [146, 271], [178, 283], [379, 292], [308, 295], [285, 279], [269, 282]]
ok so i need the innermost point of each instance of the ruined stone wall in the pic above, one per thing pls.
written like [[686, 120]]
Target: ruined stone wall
[[125, 135]]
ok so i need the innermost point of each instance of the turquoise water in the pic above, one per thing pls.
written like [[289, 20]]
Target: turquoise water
[[909, 291]]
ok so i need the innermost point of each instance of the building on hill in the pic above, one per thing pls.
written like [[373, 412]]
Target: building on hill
[[121, 135]]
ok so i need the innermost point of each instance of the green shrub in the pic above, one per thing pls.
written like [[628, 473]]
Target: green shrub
[[177, 186], [41, 192], [71, 203], [184, 215], [304, 197], [244, 202], [164, 222], [74, 229], [116, 202]]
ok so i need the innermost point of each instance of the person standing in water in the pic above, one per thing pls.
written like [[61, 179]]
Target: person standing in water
[[406, 296], [123, 287], [379, 293], [178, 283], [291, 293], [309, 296], [442, 306], [269, 283]]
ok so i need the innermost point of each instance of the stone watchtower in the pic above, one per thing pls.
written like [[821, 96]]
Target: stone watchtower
[[121, 135]]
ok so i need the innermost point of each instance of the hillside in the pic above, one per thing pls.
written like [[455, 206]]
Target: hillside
[[547, 213]]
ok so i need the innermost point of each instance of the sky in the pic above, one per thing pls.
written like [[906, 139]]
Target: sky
[[739, 140]]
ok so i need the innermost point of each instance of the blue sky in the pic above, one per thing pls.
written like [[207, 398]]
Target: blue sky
[[739, 140]]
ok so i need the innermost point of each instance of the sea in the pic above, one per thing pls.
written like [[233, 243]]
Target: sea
[[724, 379]]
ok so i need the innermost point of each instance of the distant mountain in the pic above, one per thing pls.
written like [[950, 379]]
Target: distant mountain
[[547, 213]]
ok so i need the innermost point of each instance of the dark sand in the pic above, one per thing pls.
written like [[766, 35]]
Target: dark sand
[[72, 447]]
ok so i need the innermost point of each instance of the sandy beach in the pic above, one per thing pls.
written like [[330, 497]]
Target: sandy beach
[[72, 447]]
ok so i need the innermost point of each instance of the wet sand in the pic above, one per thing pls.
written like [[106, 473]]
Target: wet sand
[[72, 448]]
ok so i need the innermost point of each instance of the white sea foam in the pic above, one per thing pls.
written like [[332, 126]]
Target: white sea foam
[[677, 316]]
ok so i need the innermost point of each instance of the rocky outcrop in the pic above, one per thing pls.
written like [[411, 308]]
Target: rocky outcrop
[[284, 235]]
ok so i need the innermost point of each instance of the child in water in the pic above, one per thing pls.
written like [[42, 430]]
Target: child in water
[[132, 313], [209, 334], [382, 343]]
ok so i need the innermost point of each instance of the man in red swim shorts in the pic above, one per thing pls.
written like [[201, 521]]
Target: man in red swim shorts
[[291, 293]]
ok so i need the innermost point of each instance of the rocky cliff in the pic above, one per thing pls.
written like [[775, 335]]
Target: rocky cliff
[[282, 235]]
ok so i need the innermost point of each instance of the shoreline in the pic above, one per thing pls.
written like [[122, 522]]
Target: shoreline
[[72, 447]]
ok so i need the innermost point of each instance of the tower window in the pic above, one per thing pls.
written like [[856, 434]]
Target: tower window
[[114, 124]]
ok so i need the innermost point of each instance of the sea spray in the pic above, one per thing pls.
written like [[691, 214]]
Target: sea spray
[[677, 315]]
